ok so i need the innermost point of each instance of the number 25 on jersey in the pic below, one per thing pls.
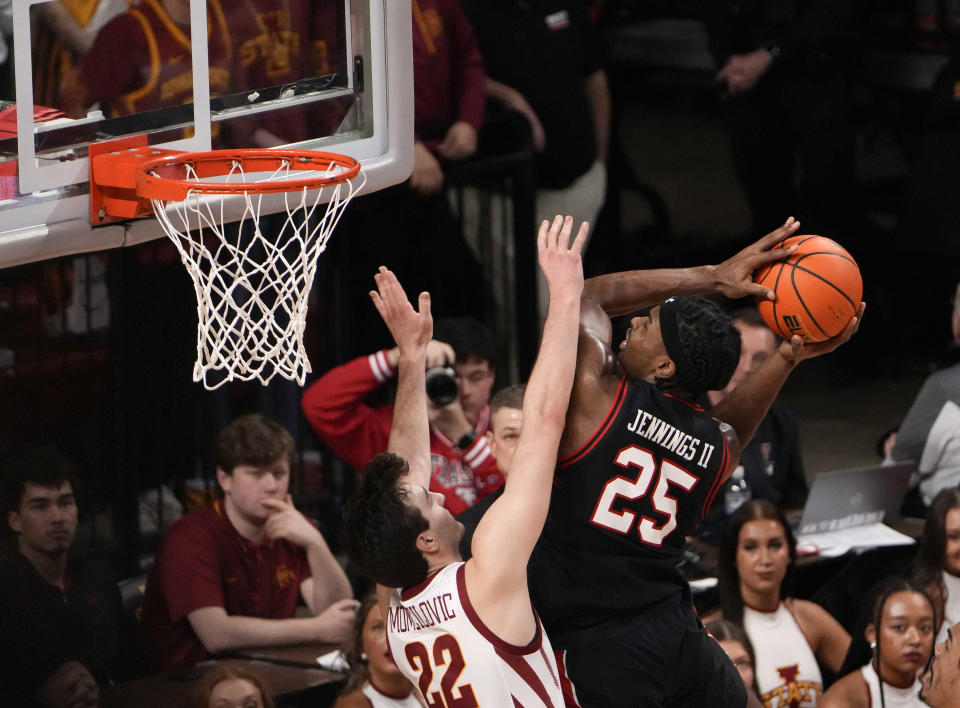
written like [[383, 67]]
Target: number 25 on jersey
[[645, 464]]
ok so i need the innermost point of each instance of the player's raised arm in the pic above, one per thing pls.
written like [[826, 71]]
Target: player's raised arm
[[508, 532], [615, 294], [622, 293], [412, 331]]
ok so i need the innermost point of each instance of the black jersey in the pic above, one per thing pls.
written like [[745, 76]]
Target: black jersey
[[621, 507]]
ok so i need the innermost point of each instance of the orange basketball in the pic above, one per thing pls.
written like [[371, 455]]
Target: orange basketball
[[818, 289]]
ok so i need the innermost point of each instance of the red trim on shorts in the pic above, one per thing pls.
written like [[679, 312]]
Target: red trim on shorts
[[592, 441], [689, 404], [566, 685], [485, 631]]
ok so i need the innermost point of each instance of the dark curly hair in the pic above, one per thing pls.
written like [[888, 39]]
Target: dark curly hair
[[380, 529], [711, 343]]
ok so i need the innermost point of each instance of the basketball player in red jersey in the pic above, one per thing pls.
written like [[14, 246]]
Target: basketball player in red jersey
[[639, 464], [141, 60], [465, 634]]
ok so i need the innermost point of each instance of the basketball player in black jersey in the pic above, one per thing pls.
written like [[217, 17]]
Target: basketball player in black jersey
[[638, 466]]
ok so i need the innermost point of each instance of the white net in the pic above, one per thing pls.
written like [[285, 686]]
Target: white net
[[252, 277]]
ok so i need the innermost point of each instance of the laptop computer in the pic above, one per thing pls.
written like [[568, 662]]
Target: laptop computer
[[847, 508]]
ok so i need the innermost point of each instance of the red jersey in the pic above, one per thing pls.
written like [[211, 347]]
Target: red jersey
[[279, 42], [335, 408], [204, 562], [449, 83], [141, 60]]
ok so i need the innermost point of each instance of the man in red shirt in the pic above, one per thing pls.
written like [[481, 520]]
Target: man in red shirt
[[463, 470], [230, 576]]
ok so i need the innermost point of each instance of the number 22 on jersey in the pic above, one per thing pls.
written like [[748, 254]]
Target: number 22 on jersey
[[446, 652], [666, 473]]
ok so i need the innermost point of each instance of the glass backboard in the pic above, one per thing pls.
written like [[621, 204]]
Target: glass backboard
[[332, 75]]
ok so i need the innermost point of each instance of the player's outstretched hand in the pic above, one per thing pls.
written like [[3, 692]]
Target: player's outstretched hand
[[735, 275], [412, 329], [560, 260], [796, 350]]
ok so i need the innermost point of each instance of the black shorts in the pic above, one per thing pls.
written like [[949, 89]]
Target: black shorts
[[664, 660]]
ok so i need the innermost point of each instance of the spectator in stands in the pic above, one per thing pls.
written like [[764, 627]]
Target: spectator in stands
[[411, 227], [141, 60], [232, 687], [937, 565], [374, 680], [736, 644], [543, 59], [772, 462], [506, 417], [59, 617], [941, 682], [66, 30], [785, 69], [789, 635], [231, 576], [930, 434], [448, 90], [463, 469], [887, 655]]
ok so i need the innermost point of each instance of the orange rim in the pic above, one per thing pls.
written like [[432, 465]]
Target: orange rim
[[164, 178]]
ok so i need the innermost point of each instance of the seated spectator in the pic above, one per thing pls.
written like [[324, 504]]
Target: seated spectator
[[59, 618], [735, 642], [544, 60], [937, 565], [374, 678], [449, 90], [941, 682], [230, 576], [930, 434], [506, 417], [772, 462], [462, 468], [789, 635], [883, 663], [141, 60], [232, 687]]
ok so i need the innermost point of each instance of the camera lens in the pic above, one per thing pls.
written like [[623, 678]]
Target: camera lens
[[442, 385]]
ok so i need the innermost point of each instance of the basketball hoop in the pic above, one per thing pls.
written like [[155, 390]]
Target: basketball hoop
[[252, 287]]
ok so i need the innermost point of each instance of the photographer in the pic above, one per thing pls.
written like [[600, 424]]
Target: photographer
[[463, 469]]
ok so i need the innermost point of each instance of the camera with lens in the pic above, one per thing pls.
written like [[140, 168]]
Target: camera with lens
[[442, 387]]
